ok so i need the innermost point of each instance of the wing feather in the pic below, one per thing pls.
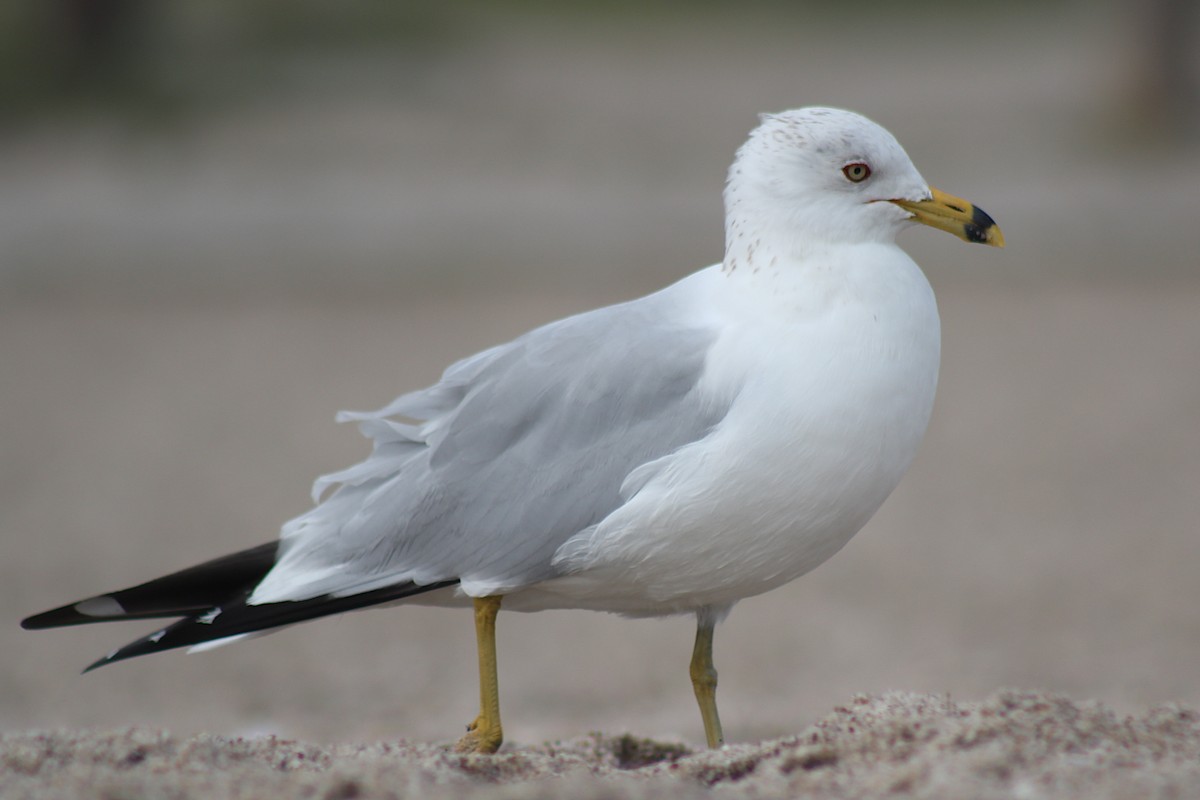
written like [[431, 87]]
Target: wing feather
[[481, 477]]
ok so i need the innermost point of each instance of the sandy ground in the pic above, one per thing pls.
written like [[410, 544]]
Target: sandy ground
[[173, 355], [1028, 745]]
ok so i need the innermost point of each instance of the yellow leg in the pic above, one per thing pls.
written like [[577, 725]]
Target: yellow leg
[[484, 735], [704, 682]]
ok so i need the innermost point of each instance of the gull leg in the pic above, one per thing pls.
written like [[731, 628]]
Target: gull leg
[[704, 680], [484, 735]]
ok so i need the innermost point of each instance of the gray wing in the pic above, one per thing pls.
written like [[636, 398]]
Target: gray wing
[[518, 448]]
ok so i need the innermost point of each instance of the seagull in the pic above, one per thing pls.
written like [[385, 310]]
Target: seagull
[[668, 455]]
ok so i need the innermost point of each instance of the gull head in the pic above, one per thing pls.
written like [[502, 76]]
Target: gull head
[[816, 177]]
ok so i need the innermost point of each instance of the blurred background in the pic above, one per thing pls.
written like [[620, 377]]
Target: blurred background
[[222, 221]]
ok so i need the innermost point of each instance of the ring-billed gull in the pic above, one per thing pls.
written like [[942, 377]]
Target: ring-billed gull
[[668, 455]]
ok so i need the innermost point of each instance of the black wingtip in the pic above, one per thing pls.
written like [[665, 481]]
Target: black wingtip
[[190, 591], [56, 618], [59, 618], [150, 643], [130, 650], [236, 618], [97, 664]]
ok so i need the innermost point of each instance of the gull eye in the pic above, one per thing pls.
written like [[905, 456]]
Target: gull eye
[[856, 172]]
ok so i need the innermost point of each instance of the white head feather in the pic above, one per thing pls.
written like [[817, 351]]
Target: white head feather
[[787, 189]]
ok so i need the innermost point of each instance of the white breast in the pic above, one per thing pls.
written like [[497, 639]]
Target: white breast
[[832, 379]]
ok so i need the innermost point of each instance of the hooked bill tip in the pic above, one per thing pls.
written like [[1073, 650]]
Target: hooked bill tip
[[982, 228]]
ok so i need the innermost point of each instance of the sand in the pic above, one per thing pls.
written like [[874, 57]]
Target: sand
[[1015, 744]]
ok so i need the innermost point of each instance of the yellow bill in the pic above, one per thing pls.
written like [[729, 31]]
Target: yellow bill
[[954, 215]]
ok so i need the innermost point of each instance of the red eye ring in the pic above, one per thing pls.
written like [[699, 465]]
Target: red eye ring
[[857, 172]]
